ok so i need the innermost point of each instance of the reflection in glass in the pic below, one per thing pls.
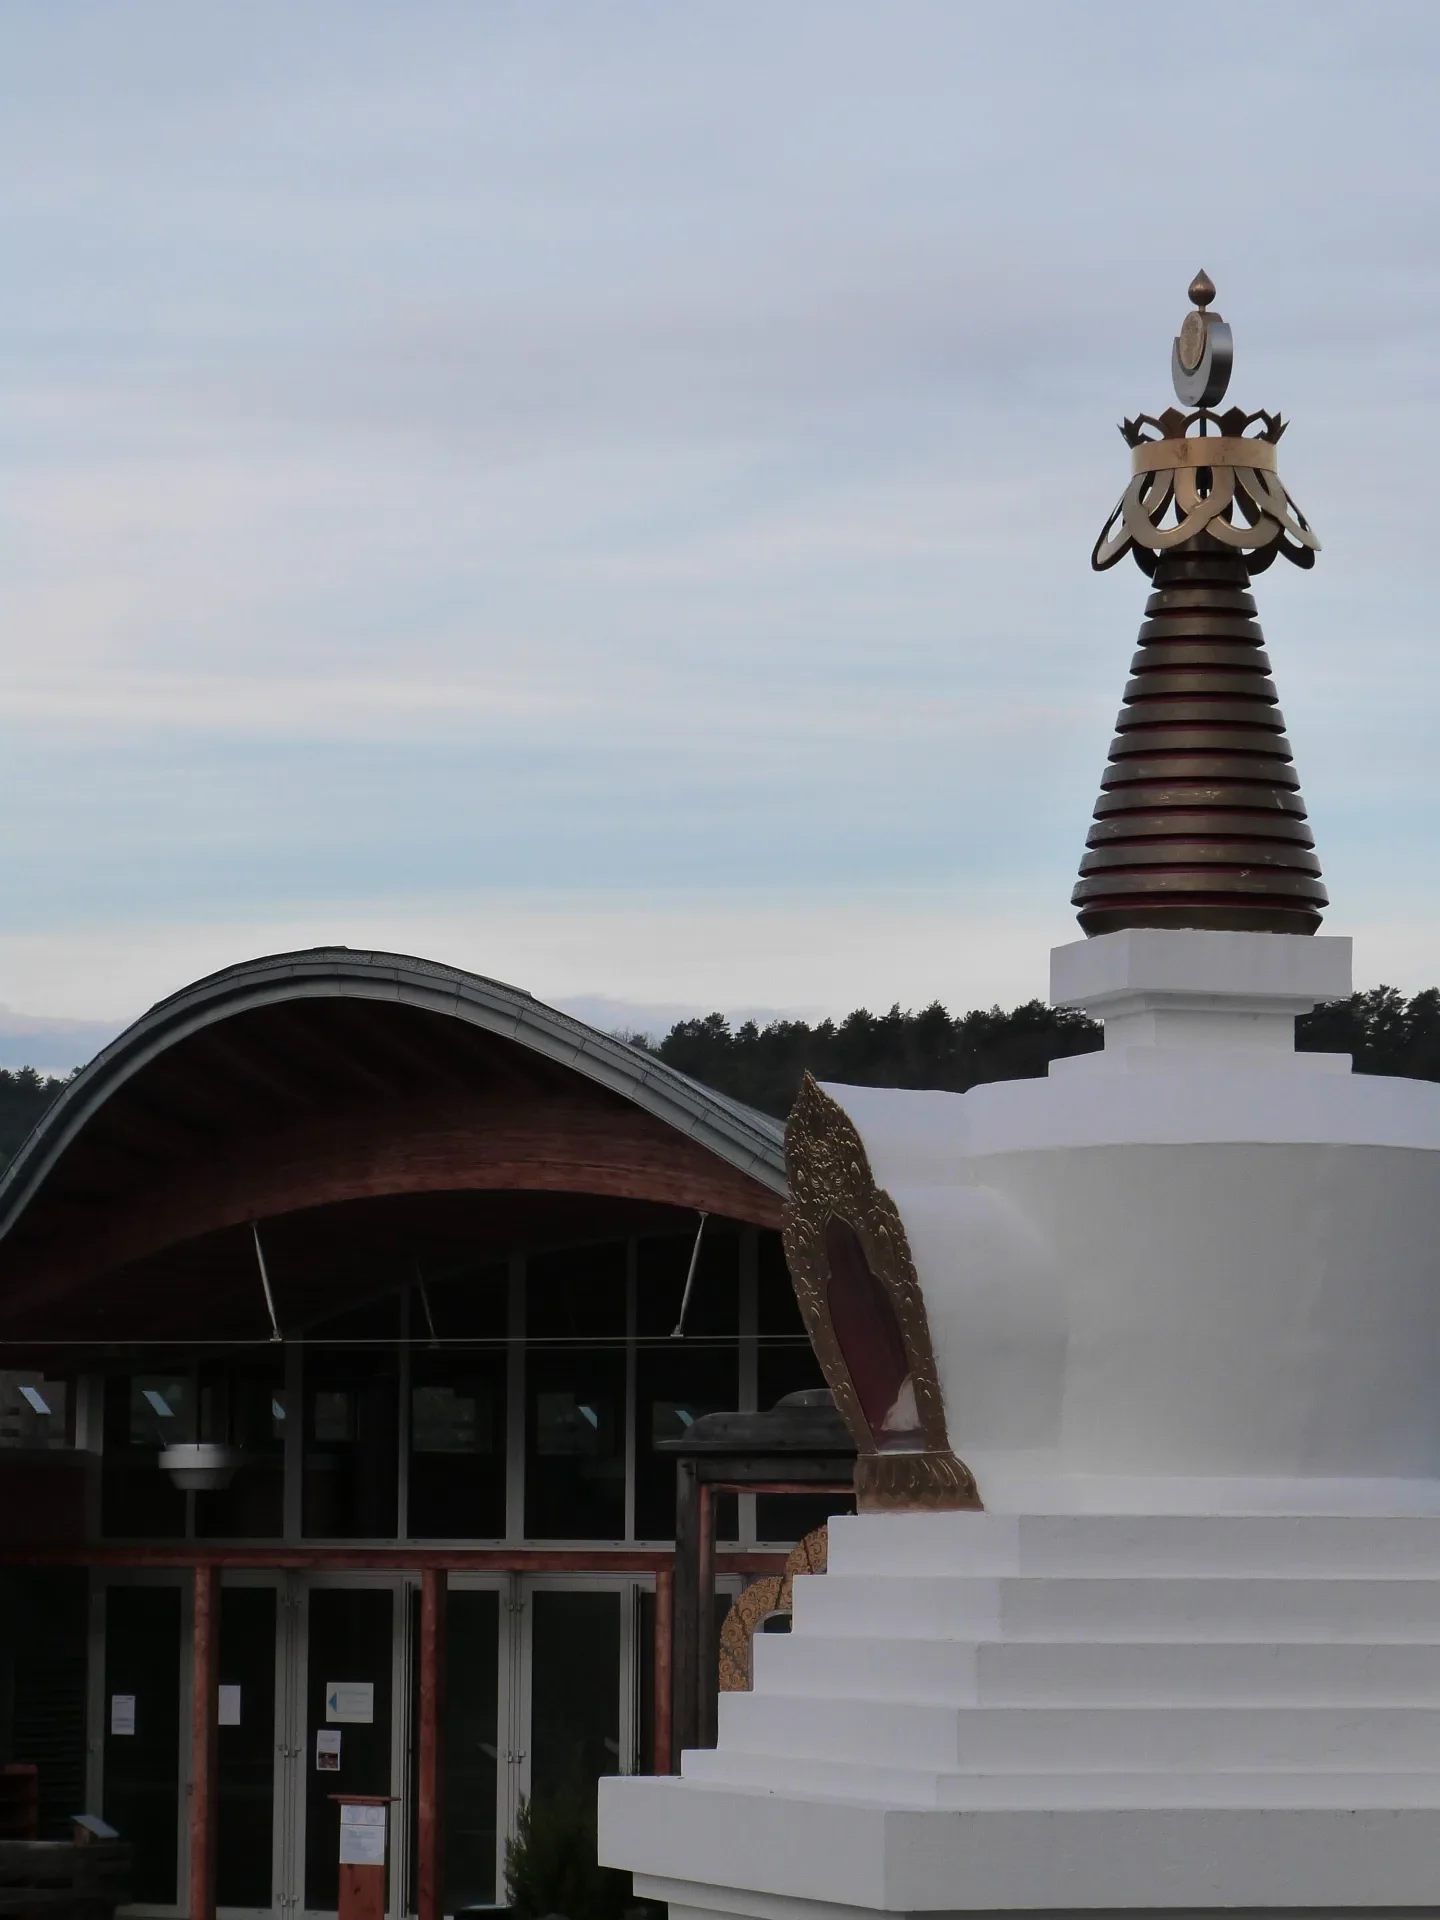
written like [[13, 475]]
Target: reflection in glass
[[457, 1455], [575, 1380], [137, 1500], [242, 1404], [142, 1765], [246, 1748], [34, 1411], [575, 1692], [351, 1427]]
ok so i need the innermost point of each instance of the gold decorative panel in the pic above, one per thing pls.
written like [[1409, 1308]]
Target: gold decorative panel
[[859, 1293]]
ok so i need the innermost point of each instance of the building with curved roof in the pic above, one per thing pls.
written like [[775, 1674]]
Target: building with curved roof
[[339, 1299]]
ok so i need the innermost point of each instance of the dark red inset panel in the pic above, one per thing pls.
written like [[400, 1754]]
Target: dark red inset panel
[[867, 1331]]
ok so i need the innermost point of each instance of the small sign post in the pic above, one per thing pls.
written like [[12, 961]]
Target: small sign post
[[363, 1826]]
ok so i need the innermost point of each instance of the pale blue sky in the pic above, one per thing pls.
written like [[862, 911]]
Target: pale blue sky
[[602, 494]]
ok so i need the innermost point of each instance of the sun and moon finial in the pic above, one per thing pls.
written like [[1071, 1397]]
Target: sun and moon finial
[[1202, 472], [1204, 350]]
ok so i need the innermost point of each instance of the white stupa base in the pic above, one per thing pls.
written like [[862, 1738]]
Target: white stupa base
[[1184, 1300], [1075, 1712]]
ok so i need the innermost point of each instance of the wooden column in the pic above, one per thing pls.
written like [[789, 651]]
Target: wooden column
[[685, 1653], [664, 1670], [430, 1811], [707, 1637], [204, 1741]]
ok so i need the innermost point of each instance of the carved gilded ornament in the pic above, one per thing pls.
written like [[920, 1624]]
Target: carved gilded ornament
[[859, 1294], [772, 1593]]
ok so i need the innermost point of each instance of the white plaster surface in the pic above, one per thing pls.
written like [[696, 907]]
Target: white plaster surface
[[1226, 993], [1185, 1303], [1186, 1262], [1299, 969], [1072, 1713]]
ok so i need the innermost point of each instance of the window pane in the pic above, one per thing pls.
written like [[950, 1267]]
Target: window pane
[[575, 1445], [457, 1445], [575, 1693], [137, 1500], [676, 1384], [159, 1410], [142, 1760], [246, 1749], [352, 1428], [34, 1411], [242, 1404], [575, 1395]]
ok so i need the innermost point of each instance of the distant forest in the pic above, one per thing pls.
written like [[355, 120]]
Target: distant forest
[[762, 1066], [24, 1096]]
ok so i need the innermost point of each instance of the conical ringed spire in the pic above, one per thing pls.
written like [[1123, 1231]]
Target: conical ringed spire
[[1200, 822]]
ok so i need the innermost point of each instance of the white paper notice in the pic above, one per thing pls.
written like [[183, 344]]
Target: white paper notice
[[122, 1713], [327, 1750], [228, 1714], [352, 1700], [362, 1836]]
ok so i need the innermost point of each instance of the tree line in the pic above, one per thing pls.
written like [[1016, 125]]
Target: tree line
[[24, 1096], [1385, 1032]]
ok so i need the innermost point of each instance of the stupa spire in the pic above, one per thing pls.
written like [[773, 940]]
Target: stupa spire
[[1200, 822]]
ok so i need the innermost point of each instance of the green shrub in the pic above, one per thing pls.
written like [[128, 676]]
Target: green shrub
[[550, 1865]]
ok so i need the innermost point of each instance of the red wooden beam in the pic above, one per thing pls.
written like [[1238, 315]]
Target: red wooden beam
[[546, 1146], [204, 1743], [654, 1560], [430, 1809], [706, 1643], [664, 1669]]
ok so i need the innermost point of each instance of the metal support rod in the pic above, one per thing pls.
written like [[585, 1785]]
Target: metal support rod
[[664, 1670], [204, 1735], [430, 1802], [429, 1316], [265, 1280], [679, 1332]]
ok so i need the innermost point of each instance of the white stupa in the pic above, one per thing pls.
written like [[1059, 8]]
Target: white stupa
[[1141, 1609]]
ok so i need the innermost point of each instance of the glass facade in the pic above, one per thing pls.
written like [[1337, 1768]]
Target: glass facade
[[512, 1402], [518, 1400]]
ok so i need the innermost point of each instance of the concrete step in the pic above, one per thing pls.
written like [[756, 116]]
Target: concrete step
[[1200, 1545], [1099, 1673], [1186, 1609], [1057, 1739], [1249, 1789]]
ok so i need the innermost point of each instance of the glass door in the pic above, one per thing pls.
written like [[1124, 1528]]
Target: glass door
[[140, 1716], [251, 1753], [477, 1747], [349, 1715], [577, 1712]]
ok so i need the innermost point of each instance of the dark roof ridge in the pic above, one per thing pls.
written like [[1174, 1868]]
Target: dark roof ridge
[[746, 1139]]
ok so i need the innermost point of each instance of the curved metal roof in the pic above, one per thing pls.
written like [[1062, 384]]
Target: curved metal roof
[[737, 1134]]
